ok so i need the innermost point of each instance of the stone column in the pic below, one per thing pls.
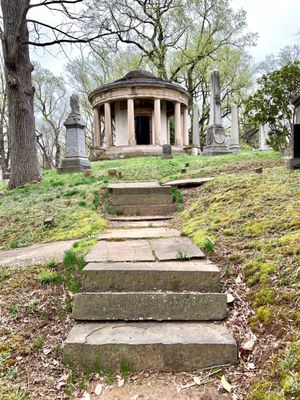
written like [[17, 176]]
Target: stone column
[[107, 125], [157, 121], [97, 127], [234, 143], [185, 126], [130, 122], [215, 135], [178, 133], [152, 128], [196, 135], [263, 137]]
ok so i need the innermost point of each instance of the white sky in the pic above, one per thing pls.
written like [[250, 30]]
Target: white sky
[[276, 21]]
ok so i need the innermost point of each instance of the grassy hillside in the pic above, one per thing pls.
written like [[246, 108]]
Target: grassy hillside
[[75, 201], [250, 225]]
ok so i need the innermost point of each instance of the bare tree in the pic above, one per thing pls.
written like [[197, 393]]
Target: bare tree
[[4, 148], [16, 40], [50, 106]]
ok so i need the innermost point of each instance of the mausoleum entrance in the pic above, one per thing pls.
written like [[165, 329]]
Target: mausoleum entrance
[[142, 130]]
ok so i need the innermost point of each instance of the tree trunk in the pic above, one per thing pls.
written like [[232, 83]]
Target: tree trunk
[[25, 166], [3, 157]]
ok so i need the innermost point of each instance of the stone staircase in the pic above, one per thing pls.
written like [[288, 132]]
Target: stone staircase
[[140, 198], [150, 299]]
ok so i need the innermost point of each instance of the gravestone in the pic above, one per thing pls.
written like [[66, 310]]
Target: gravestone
[[234, 143], [166, 151], [215, 135], [75, 155], [196, 136]]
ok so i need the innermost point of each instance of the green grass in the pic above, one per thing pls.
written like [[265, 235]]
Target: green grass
[[77, 202], [255, 218]]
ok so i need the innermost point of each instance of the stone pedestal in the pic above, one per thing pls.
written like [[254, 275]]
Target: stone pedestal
[[215, 135], [75, 157], [234, 142], [215, 141]]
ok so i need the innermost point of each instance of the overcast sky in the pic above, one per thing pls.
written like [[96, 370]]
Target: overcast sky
[[276, 21]]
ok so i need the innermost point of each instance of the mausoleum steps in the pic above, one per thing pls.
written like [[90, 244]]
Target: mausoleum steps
[[156, 346], [197, 275], [140, 198], [153, 306], [149, 298], [158, 209]]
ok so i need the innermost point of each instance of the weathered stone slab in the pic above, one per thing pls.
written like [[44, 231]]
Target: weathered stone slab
[[131, 250], [157, 306], [36, 254], [199, 275], [138, 188], [139, 224], [164, 346], [140, 199], [180, 249], [141, 218], [141, 210], [186, 183], [138, 233]]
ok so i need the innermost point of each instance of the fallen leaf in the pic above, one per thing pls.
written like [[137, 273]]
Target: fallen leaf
[[230, 298], [121, 382], [98, 389], [85, 396], [60, 385], [47, 351], [226, 385], [250, 365], [197, 380], [249, 345]]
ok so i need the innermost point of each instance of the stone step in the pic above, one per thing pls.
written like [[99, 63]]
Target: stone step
[[145, 346], [137, 218], [140, 199], [198, 276], [167, 249], [157, 306], [143, 210], [138, 233], [139, 188], [138, 224]]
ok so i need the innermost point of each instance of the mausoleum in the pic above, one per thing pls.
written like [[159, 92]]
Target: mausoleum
[[139, 113]]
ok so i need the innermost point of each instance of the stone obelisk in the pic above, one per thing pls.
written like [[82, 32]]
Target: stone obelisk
[[75, 155], [234, 143], [196, 136], [215, 135]]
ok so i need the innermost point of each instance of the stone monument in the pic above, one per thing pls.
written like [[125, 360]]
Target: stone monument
[[294, 161], [215, 135], [75, 155], [263, 137], [166, 151], [234, 142], [196, 137]]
